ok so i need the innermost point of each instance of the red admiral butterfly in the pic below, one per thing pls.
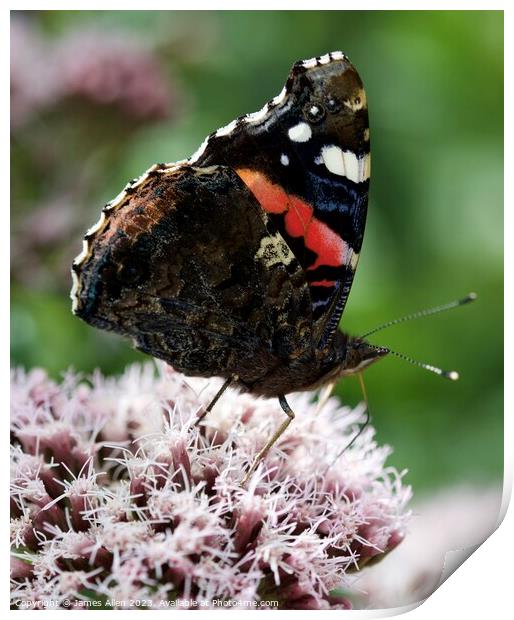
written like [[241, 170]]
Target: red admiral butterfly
[[238, 262]]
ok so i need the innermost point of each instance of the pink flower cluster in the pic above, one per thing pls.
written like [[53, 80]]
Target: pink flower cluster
[[98, 67], [117, 497]]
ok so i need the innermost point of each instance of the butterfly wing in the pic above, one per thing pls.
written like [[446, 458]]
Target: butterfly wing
[[305, 156], [188, 265], [242, 257]]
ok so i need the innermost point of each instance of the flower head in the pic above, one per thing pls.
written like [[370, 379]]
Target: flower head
[[97, 67], [117, 494]]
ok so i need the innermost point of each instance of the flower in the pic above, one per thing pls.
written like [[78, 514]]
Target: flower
[[100, 68], [456, 520], [108, 68], [76, 96], [32, 76], [118, 496]]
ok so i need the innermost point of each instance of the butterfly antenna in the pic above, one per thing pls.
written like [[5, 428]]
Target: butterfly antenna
[[422, 313], [453, 375]]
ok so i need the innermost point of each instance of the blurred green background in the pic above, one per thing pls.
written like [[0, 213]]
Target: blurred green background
[[97, 97]]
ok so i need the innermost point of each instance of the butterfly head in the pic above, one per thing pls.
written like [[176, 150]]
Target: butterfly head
[[359, 354]]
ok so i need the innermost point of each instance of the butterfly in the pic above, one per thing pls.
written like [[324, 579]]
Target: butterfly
[[238, 261]]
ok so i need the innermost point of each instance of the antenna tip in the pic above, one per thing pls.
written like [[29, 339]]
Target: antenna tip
[[453, 375]]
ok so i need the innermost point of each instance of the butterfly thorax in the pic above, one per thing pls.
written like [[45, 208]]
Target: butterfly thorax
[[344, 356]]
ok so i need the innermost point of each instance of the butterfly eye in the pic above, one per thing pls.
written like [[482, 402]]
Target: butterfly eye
[[333, 104], [314, 112]]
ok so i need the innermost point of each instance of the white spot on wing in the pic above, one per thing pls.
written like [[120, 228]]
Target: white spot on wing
[[338, 56], [273, 250], [98, 226], [74, 291], [280, 97], [284, 159], [225, 131], [116, 201], [199, 152], [255, 117], [171, 166], [351, 166], [365, 167], [346, 163], [332, 157], [300, 133], [310, 63], [84, 254], [140, 180]]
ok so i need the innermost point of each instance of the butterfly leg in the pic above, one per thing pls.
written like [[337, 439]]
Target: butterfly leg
[[262, 453], [324, 395], [362, 427], [368, 417], [216, 398]]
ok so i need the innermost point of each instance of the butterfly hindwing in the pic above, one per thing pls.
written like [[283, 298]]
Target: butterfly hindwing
[[190, 267]]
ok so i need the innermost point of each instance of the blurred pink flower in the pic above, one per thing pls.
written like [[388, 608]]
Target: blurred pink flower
[[117, 495], [99, 67], [75, 99], [113, 69], [32, 72]]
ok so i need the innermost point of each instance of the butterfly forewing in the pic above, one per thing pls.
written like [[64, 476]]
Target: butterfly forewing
[[305, 156]]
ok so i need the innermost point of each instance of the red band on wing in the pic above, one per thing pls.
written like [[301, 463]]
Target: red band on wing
[[328, 283], [299, 221]]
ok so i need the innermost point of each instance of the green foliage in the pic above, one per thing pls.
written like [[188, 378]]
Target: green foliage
[[435, 90]]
